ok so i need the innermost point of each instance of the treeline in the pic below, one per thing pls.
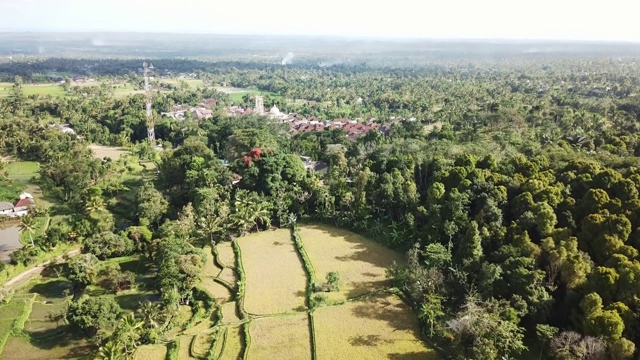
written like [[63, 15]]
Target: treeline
[[519, 213]]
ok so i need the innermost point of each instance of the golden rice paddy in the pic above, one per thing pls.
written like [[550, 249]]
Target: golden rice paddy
[[381, 327], [282, 338], [275, 278]]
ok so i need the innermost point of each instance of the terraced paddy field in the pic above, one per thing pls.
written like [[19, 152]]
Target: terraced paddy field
[[382, 327], [262, 309], [276, 281], [233, 345], [361, 263], [149, 352], [284, 338]]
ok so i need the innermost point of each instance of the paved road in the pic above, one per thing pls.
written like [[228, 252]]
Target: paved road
[[34, 271]]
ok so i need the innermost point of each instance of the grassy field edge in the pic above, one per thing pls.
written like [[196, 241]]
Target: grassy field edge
[[308, 268], [241, 280]]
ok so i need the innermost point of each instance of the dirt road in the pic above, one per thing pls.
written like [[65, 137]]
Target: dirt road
[[34, 271]]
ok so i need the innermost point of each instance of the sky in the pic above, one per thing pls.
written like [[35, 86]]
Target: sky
[[608, 20]]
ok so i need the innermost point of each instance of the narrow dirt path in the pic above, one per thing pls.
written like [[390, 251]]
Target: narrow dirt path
[[34, 271]]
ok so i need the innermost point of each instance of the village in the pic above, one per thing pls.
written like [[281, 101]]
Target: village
[[353, 128]]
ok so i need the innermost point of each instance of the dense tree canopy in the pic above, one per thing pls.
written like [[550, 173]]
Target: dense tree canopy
[[512, 185]]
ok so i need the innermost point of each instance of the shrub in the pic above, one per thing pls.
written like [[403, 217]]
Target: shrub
[[107, 244], [333, 280], [95, 316], [317, 300]]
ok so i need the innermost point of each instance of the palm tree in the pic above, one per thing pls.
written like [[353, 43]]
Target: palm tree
[[28, 224], [127, 333], [111, 351], [259, 214], [150, 314]]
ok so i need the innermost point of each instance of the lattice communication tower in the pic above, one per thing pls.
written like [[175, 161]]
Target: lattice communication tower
[[151, 132]]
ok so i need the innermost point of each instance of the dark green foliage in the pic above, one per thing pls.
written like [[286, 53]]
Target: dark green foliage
[[107, 244], [173, 347], [514, 191], [82, 270], [95, 316], [179, 267], [333, 280]]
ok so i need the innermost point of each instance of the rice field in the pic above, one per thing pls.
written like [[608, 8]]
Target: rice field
[[283, 338], [47, 338], [233, 345], [226, 257], [349, 326], [112, 152], [66, 346], [381, 327], [151, 352], [185, 344], [201, 344], [229, 313], [360, 263], [276, 281], [209, 273]]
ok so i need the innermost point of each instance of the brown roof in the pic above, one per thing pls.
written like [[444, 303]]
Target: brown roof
[[24, 203]]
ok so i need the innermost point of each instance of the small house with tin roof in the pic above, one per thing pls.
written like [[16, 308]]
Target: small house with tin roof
[[6, 208]]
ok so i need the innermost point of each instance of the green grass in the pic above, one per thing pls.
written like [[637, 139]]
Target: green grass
[[193, 83], [39, 229], [23, 171], [23, 175], [237, 97], [33, 89]]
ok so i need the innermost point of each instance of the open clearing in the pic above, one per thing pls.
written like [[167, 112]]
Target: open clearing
[[276, 281], [361, 263], [107, 151], [382, 327], [33, 89], [283, 338]]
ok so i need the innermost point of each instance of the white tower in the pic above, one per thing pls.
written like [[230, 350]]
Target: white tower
[[151, 133], [259, 107]]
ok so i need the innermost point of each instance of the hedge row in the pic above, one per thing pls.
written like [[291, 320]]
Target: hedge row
[[172, 350], [312, 337], [308, 268], [247, 340], [212, 351], [241, 280]]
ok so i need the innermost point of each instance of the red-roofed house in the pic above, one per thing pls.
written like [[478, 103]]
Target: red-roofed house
[[23, 204]]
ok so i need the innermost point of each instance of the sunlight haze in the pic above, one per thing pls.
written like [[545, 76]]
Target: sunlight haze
[[612, 20]]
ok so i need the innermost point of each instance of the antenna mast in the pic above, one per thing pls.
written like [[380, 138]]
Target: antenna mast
[[151, 133]]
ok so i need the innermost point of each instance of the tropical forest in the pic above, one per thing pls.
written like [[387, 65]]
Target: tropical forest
[[453, 204]]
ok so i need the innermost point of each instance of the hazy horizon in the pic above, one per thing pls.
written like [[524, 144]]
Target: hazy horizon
[[501, 20]]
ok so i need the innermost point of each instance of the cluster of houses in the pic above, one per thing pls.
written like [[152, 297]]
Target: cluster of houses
[[299, 124], [202, 111], [19, 208]]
